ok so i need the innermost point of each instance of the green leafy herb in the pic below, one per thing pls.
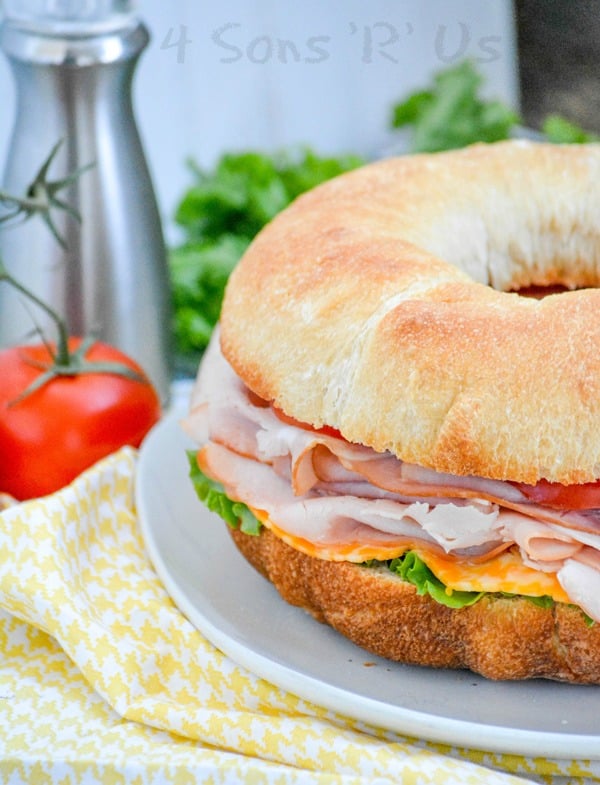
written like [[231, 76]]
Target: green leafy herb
[[451, 113], [213, 495], [220, 214], [561, 131], [199, 272]]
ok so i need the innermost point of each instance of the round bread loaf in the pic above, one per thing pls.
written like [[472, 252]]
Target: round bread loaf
[[497, 637], [383, 304], [379, 304]]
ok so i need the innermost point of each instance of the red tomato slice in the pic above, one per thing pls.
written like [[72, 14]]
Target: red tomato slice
[[326, 430], [50, 436], [583, 496]]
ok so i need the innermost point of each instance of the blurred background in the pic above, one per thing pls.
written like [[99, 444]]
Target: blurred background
[[269, 73], [265, 74], [273, 75], [558, 48]]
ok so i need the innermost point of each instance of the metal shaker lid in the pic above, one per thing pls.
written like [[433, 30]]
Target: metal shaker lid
[[70, 17]]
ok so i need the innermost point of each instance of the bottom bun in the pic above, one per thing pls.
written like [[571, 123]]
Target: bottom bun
[[497, 637]]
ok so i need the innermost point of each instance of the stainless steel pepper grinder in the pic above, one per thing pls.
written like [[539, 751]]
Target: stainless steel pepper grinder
[[73, 62]]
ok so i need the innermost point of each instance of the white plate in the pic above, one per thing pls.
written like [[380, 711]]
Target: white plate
[[242, 614]]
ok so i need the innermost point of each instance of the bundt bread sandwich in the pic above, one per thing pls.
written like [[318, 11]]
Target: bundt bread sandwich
[[399, 440]]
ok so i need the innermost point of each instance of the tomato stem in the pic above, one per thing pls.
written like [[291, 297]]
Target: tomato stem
[[64, 362], [62, 343], [40, 198]]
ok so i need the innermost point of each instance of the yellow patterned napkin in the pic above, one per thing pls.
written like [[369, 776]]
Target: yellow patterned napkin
[[103, 679]]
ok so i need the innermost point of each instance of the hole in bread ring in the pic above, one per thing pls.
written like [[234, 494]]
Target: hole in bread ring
[[539, 292], [379, 304]]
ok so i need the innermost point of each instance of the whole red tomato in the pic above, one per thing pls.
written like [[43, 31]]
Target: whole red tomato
[[53, 433]]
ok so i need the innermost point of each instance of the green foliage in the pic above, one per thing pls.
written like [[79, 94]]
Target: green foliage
[[220, 214], [559, 130], [451, 114]]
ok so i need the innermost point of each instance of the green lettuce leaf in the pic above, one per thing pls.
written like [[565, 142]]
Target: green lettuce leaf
[[414, 570], [213, 495]]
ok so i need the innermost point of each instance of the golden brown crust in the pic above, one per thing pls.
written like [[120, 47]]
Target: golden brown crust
[[499, 638], [368, 306]]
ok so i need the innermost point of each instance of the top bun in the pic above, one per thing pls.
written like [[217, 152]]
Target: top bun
[[379, 304]]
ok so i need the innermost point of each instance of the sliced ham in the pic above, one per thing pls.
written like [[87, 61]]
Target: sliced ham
[[330, 521], [582, 584], [540, 541], [336, 495], [238, 422]]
